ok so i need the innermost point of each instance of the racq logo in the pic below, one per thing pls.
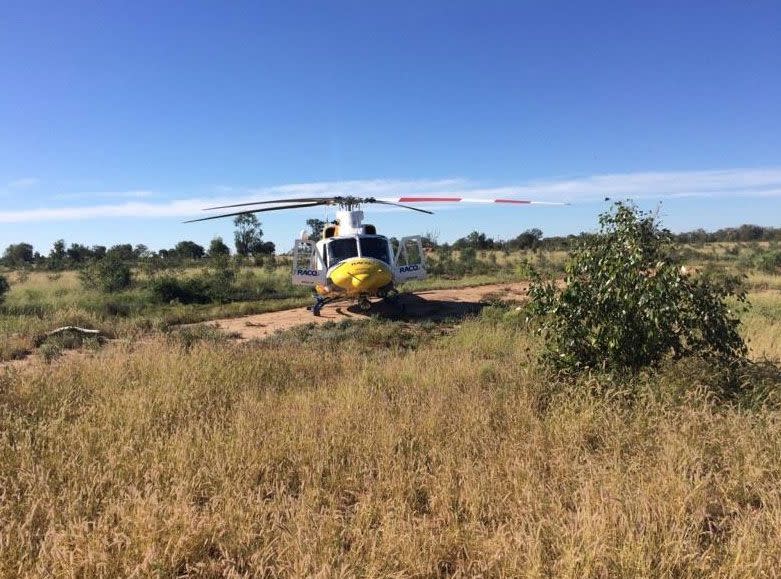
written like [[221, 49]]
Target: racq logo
[[309, 272], [406, 268]]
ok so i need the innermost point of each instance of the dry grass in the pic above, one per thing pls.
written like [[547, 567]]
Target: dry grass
[[41, 302], [459, 458], [762, 324]]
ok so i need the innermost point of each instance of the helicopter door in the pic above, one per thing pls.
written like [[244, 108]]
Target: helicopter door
[[305, 264], [410, 261]]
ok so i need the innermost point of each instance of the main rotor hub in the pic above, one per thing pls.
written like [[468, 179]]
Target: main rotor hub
[[350, 203]]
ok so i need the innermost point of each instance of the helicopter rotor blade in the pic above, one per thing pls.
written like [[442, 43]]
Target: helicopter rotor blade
[[350, 202], [468, 200], [296, 200], [247, 212], [399, 205]]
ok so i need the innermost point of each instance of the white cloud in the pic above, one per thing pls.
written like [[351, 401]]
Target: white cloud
[[23, 183], [130, 209], [720, 183], [141, 194], [723, 182]]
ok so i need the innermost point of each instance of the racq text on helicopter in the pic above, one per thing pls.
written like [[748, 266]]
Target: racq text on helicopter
[[352, 261]]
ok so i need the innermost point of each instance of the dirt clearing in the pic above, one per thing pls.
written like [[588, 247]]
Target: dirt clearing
[[430, 304]]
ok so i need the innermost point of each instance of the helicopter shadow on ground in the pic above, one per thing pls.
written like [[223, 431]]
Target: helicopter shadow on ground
[[412, 307]]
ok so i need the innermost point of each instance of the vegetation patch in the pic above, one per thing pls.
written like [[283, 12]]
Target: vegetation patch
[[628, 302], [190, 335], [360, 337], [108, 275], [51, 346]]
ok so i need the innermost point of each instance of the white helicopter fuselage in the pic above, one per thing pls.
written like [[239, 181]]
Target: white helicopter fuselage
[[352, 260]]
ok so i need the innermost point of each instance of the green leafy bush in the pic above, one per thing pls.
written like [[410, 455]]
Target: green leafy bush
[[109, 274], [627, 303], [214, 285]]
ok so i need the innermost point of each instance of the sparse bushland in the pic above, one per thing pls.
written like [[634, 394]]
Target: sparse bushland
[[41, 300], [434, 451]]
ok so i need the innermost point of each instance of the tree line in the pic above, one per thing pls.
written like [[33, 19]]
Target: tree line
[[248, 242], [534, 239]]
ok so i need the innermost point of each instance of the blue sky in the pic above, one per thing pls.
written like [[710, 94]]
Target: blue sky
[[118, 120]]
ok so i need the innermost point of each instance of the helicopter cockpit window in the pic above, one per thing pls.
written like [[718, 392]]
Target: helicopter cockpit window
[[341, 249], [376, 247]]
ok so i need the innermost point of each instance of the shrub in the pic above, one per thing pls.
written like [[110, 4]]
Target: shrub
[[50, 351], [219, 282], [215, 285], [110, 274], [4, 287], [627, 303], [166, 289], [768, 261]]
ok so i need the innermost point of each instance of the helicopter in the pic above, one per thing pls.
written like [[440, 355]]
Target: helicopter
[[351, 260]]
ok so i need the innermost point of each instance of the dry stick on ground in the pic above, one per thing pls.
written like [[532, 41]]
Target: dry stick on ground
[[64, 329]]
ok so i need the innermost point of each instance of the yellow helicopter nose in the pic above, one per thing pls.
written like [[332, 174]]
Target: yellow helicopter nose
[[360, 275]]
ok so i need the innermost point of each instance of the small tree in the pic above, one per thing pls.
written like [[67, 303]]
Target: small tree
[[316, 227], [189, 250], [122, 251], [57, 255], [218, 248], [19, 255], [78, 253], [110, 274], [627, 303], [248, 235], [529, 239], [141, 251]]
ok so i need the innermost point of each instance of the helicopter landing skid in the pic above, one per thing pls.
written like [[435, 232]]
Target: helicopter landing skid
[[320, 301]]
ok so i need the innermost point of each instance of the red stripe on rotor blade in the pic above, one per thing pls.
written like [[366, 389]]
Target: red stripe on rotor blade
[[516, 201], [427, 199]]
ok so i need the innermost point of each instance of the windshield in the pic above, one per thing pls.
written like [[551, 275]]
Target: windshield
[[376, 247], [340, 249]]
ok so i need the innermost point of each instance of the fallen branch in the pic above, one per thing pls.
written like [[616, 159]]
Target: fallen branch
[[73, 329]]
